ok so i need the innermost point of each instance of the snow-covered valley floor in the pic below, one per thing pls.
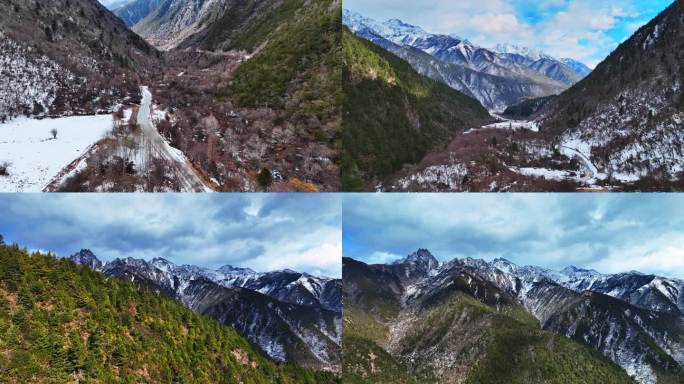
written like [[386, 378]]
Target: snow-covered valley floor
[[35, 158]]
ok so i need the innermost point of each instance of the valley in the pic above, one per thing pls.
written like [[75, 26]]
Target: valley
[[233, 102], [614, 128]]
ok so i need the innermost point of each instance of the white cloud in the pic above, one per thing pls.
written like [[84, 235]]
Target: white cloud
[[260, 231], [611, 233], [380, 257]]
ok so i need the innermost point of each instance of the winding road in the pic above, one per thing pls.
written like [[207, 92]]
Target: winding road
[[155, 146]]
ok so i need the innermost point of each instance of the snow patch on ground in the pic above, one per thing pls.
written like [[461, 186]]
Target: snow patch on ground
[[450, 175], [35, 157], [514, 125], [548, 174]]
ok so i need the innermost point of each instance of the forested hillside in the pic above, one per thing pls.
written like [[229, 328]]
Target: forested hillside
[[392, 115], [60, 322]]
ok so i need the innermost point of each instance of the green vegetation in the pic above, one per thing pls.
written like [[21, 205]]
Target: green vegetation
[[60, 322], [299, 68], [358, 323], [376, 293], [366, 363], [519, 354], [465, 331], [392, 115], [265, 178], [527, 108], [504, 345]]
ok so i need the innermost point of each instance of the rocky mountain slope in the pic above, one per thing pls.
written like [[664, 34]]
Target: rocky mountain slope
[[67, 57], [166, 23], [627, 116], [67, 323], [291, 316], [497, 78], [134, 11], [419, 306]]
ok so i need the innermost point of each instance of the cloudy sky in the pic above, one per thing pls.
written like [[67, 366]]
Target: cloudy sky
[[260, 231], [585, 30], [610, 233]]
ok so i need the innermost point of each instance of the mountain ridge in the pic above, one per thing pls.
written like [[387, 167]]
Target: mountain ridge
[[636, 324], [288, 310], [538, 74]]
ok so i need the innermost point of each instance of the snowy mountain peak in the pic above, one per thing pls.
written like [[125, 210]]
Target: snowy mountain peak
[[230, 270], [287, 270], [163, 264], [421, 257], [87, 258], [531, 53], [579, 68], [399, 25], [505, 265], [572, 270]]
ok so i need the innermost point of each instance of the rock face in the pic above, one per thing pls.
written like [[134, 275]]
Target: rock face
[[171, 21], [292, 316], [497, 78], [627, 115], [169, 24], [437, 315], [87, 258], [134, 11]]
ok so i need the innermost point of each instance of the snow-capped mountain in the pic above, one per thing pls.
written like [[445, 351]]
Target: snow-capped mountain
[[651, 292], [530, 53], [633, 319], [87, 258], [579, 68], [496, 78], [292, 316], [420, 262]]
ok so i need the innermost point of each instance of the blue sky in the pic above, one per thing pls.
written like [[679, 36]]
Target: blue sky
[[585, 30], [260, 231], [611, 233]]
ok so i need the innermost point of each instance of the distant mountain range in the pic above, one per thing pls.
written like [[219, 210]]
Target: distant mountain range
[[497, 78], [458, 320], [291, 316]]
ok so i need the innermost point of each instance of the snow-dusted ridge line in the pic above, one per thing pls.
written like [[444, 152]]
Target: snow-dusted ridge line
[[275, 284], [574, 278]]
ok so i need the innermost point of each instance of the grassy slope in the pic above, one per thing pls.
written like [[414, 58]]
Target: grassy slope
[[391, 114], [60, 321]]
